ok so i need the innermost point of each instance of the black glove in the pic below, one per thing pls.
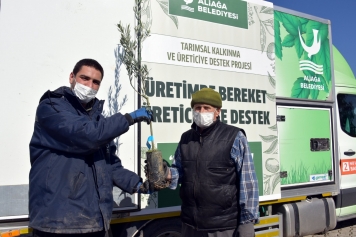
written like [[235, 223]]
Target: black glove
[[146, 188], [143, 114]]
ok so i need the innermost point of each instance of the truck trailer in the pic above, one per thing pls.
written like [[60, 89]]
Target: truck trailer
[[277, 71]]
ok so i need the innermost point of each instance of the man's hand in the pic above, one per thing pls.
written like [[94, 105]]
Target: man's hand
[[143, 114], [146, 188]]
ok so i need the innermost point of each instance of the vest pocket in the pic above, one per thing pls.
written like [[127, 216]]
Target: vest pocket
[[219, 169]]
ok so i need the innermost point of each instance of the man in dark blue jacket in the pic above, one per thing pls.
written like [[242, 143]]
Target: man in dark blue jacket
[[73, 161]]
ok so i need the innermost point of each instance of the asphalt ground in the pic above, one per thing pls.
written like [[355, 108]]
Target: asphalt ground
[[343, 229]]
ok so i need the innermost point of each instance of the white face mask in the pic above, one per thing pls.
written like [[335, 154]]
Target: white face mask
[[203, 120], [84, 93]]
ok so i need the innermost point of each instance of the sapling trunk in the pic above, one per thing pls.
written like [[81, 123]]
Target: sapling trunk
[[133, 64], [138, 71]]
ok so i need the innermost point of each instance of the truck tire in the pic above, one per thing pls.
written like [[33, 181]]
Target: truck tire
[[168, 227]]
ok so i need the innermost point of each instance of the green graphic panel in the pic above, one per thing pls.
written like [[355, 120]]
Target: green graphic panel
[[302, 49], [256, 150], [300, 125], [168, 197], [226, 12]]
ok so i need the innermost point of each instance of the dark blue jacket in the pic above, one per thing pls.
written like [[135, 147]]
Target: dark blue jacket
[[74, 166]]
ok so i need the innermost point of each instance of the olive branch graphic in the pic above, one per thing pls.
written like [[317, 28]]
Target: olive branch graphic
[[270, 181]]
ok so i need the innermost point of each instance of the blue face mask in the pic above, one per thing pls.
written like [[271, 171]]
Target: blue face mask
[[84, 93]]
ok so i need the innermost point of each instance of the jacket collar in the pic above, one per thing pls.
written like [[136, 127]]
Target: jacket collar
[[93, 105], [66, 92]]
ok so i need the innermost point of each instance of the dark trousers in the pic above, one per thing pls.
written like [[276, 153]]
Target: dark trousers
[[246, 230], [37, 233]]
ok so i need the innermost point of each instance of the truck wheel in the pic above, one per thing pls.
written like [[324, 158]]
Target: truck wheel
[[170, 227]]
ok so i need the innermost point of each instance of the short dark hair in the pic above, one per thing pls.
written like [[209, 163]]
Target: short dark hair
[[90, 63]]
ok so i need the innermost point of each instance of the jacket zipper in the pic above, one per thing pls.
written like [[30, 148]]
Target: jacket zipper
[[95, 178], [201, 140], [93, 165]]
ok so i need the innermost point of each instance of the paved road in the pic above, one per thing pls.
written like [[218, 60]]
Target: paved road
[[343, 229]]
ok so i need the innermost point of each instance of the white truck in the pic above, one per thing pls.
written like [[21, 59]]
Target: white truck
[[279, 75]]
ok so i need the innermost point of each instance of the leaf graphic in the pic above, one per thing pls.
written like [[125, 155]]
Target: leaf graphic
[[269, 138], [314, 94], [303, 28], [320, 57], [324, 33], [291, 24], [269, 26], [303, 21], [298, 47], [272, 147], [250, 14], [309, 36], [271, 97], [323, 58], [270, 51], [277, 40], [298, 91], [276, 179], [278, 16], [273, 128], [267, 187], [262, 37], [146, 15], [327, 63], [164, 6], [303, 25], [314, 25], [324, 83], [272, 81], [269, 22], [266, 10], [288, 41]]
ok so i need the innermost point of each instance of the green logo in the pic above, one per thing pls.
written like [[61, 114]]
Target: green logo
[[307, 41], [226, 12]]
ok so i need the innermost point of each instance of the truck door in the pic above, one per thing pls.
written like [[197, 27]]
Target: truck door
[[305, 140]]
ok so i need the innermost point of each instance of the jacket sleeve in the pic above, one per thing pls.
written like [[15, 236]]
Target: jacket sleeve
[[123, 178], [69, 132], [249, 196], [176, 169]]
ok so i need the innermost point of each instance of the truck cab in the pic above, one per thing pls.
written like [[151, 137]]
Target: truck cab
[[345, 93]]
